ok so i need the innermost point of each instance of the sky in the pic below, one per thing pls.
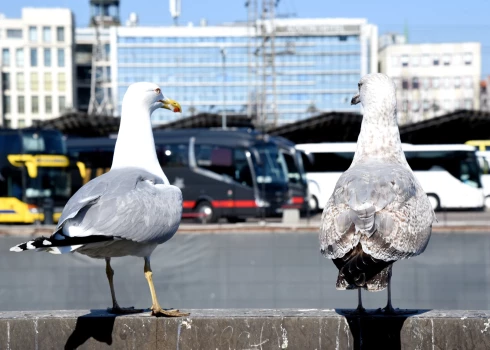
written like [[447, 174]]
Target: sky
[[427, 20]]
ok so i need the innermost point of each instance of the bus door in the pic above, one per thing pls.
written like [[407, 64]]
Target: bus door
[[296, 183], [245, 187]]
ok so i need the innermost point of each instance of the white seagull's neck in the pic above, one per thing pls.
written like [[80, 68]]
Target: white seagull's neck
[[379, 139], [135, 146]]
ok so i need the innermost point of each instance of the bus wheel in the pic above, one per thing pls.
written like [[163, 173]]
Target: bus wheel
[[313, 203], [206, 213], [434, 202]]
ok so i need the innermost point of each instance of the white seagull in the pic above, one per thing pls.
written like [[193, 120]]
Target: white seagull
[[378, 212], [129, 210]]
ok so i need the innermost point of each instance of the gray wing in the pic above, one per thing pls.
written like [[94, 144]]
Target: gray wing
[[380, 205], [130, 204]]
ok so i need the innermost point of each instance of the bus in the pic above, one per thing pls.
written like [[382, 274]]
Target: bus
[[233, 174], [35, 173], [483, 154], [450, 174]]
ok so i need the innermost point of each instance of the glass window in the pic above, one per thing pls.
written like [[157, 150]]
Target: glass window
[[425, 60], [405, 61], [415, 61], [33, 57], [446, 59], [48, 82], [60, 34], [435, 60], [32, 34], [62, 103], [405, 84], [415, 83], [61, 57], [14, 33], [35, 104], [243, 174], [20, 81], [468, 82], [19, 57], [425, 83], [426, 105], [447, 105], [468, 58], [34, 81], [328, 162], [447, 83], [404, 106], [47, 57], [457, 82], [6, 104], [173, 156], [47, 34], [21, 123], [435, 83], [415, 105], [216, 159], [48, 104], [6, 57], [61, 82], [5, 81], [21, 104], [468, 104]]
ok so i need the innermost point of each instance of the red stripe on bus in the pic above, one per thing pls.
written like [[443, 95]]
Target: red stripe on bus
[[188, 204], [193, 215], [297, 200], [234, 204]]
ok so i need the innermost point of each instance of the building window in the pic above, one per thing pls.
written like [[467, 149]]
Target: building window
[[415, 83], [447, 83], [47, 34], [61, 82], [20, 81], [61, 57], [426, 105], [19, 57], [446, 59], [425, 83], [32, 34], [5, 81], [6, 57], [404, 106], [425, 60], [48, 82], [415, 105], [33, 57], [468, 104], [6, 104], [60, 34], [435, 83], [14, 33], [35, 104], [34, 81], [435, 60], [405, 84], [457, 82], [415, 61], [404, 60], [447, 105], [62, 103], [21, 104], [457, 59], [48, 104], [468, 58], [47, 57], [467, 82]]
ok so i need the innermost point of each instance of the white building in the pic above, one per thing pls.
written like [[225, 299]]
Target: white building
[[433, 79], [485, 95], [37, 66]]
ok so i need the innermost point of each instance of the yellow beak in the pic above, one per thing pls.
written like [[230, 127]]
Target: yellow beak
[[172, 105]]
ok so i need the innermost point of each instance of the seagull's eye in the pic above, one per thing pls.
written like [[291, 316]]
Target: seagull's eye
[[359, 85], [158, 91]]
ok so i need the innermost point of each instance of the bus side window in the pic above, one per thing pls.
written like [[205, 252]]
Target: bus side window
[[216, 159], [174, 156], [243, 174]]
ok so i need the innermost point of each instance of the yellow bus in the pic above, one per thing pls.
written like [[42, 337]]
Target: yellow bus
[[482, 145], [35, 175]]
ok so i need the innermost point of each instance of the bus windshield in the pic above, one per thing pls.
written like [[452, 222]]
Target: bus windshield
[[50, 182], [272, 166]]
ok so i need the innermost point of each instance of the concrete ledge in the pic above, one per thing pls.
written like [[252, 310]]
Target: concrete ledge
[[246, 329]]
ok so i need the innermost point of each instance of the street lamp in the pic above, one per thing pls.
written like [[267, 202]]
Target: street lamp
[[223, 112]]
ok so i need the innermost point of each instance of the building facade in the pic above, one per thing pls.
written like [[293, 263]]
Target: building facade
[[281, 72], [37, 66], [485, 95], [433, 79]]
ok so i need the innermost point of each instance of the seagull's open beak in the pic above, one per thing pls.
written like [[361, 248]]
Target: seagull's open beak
[[355, 100], [172, 105]]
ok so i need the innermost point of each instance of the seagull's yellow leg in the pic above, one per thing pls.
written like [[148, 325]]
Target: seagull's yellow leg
[[116, 309], [156, 309]]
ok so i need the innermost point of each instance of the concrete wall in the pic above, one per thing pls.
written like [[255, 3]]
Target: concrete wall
[[246, 329]]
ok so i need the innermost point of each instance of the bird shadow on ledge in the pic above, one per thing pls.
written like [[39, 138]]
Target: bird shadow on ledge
[[97, 324], [374, 330]]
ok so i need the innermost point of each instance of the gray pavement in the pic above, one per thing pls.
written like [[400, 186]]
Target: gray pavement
[[244, 270]]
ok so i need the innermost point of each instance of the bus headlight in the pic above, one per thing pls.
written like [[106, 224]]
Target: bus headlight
[[33, 209]]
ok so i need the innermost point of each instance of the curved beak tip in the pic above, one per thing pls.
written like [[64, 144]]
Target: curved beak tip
[[355, 100]]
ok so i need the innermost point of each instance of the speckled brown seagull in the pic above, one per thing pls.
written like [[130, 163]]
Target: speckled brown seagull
[[129, 210], [378, 212]]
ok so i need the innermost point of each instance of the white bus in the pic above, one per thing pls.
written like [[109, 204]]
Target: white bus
[[450, 174]]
